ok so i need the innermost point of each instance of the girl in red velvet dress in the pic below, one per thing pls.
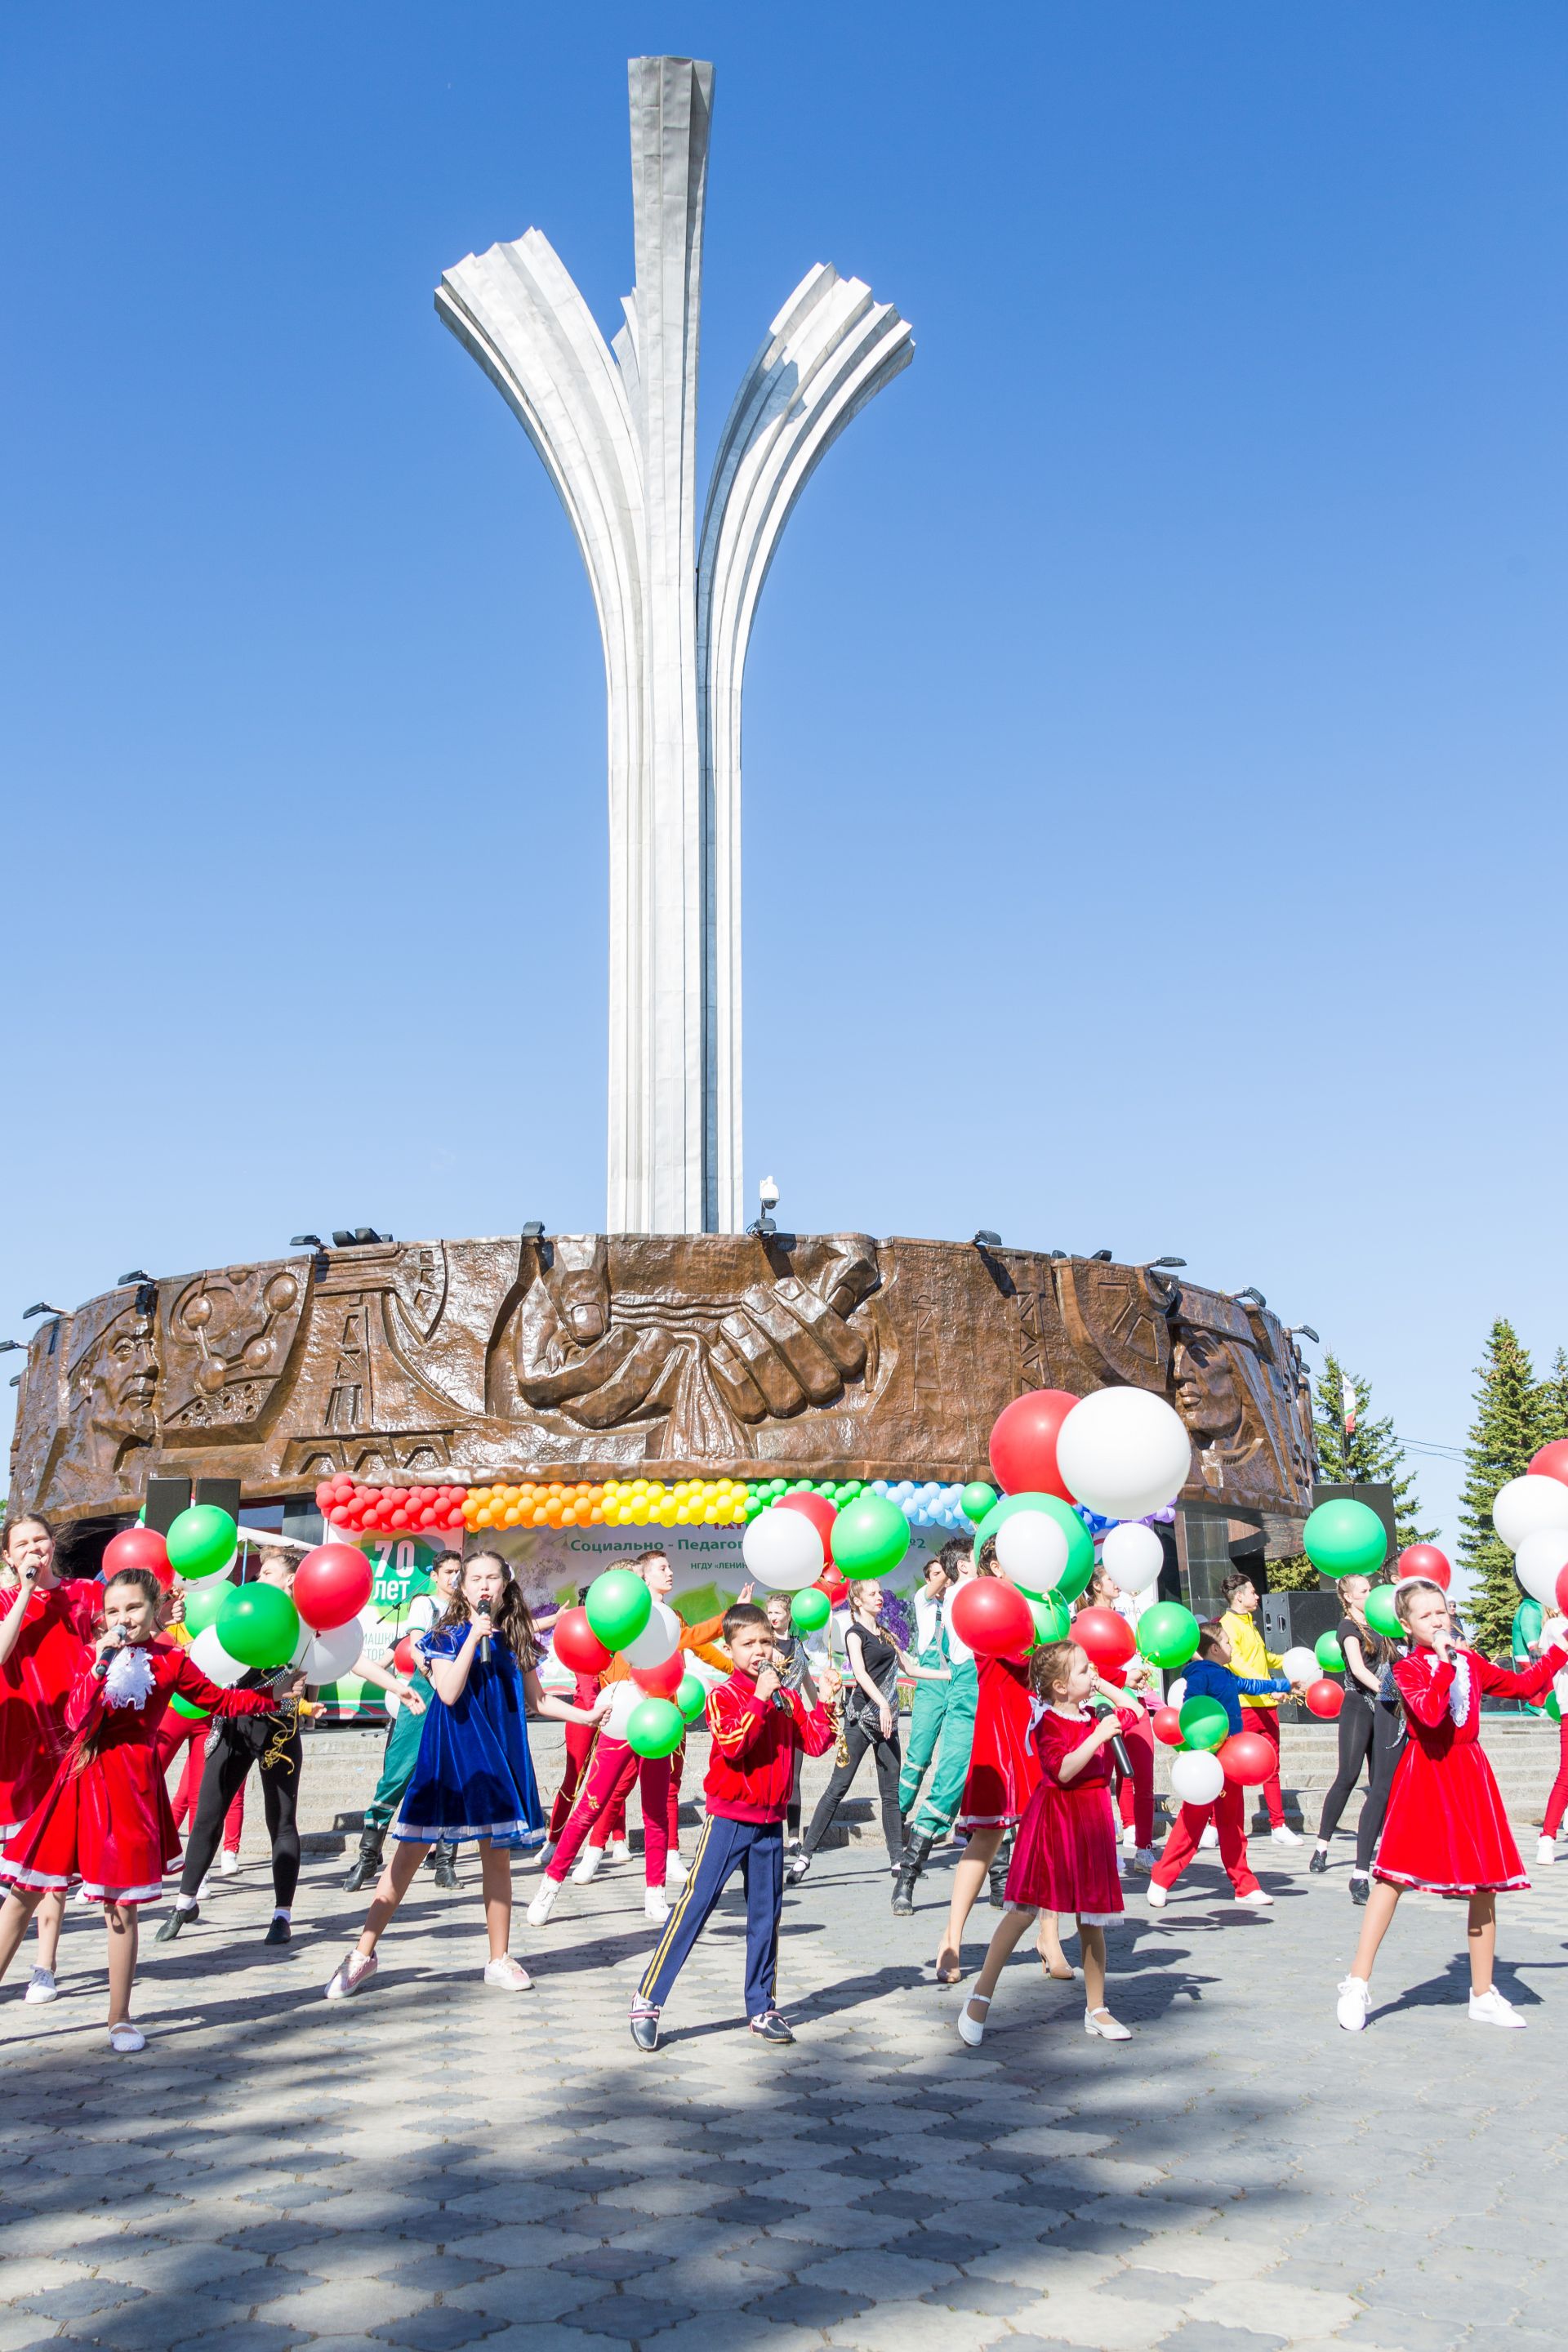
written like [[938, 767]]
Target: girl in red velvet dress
[[45, 1633], [1002, 1776], [1065, 1860], [1445, 1830], [104, 1818]]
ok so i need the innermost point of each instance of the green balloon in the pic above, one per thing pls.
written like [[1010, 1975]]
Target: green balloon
[[202, 1603], [976, 1500], [1078, 1573], [870, 1537], [810, 1611], [260, 1625], [1329, 1656], [1552, 1709], [619, 1605], [656, 1727], [192, 1712], [201, 1541], [1345, 1539], [1168, 1635], [1053, 1620], [691, 1697], [1204, 1723], [1381, 1614]]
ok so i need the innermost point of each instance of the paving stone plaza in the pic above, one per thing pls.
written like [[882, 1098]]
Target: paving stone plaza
[[436, 2164]]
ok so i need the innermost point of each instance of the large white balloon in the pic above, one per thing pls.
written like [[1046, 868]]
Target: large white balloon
[[1125, 1453], [1540, 1560], [783, 1550], [1527, 1505], [1197, 1778], [1301, 1664], [659, 1638], [332, 1656], [625, 1698], [208, 1652], [1132, 1557], [1032, 1550]]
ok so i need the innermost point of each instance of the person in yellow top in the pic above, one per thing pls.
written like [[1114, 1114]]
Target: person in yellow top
[[1251, 1657]]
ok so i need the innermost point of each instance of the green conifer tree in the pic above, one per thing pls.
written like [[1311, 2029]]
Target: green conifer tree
[[1504, 1434], [1371, 1455], [1552, 1401]]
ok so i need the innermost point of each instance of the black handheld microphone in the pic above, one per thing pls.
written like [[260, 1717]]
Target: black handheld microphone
[[1118, 1746], [482, 1611], [100, 1665]]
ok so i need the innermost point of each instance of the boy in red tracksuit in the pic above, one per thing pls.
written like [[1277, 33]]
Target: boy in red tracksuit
[[756, 1727]]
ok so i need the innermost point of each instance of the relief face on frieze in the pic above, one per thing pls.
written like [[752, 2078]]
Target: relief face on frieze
[[817, 1355]]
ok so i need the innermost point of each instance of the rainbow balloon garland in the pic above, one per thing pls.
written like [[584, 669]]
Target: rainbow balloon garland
[[359, 1509]]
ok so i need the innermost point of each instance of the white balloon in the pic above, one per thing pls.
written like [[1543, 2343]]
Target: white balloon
[[659, 1638], [783, 1550], [1197, 1778], [1527, 1505], [1132, 1557], [1539, 1560], [332, 1656], [1125, 1453], [1177, 1693], [625, 1698], [1301, 1664], [1032, 1550], [303, 1645], [208, 1652]]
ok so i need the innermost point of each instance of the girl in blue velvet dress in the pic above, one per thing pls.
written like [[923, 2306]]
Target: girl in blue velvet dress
[[474, 1778]]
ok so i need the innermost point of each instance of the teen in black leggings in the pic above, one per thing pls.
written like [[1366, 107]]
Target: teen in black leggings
[[1371, 1731], [270, 1742], [870, 1722]]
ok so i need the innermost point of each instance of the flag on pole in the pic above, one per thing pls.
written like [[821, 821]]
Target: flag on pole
[[1351, 1401]]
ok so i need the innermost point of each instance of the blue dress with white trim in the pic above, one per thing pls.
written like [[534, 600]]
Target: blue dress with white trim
[[474, 1776]]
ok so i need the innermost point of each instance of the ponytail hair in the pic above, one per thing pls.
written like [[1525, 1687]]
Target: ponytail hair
[[144, 1581], [511, 1620], [1050, 1668], [1405, 1590]]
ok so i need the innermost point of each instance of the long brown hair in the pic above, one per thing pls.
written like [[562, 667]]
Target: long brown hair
[[511, 1620]]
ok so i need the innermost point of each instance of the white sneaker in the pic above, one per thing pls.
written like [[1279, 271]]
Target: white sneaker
[[1283, 1836], [675, 1872], [205, 1889], [1143, 1856], [1256, 1901], [127, 2039], [1490, 2008], [973, 2029], [508, 1974], [1129, 1837], [1545, 1851], [546, 1852], [1106, 2028], [351, 1976], [1209, 1835], [655, 1906], [619, 1850], [588, 1868], [1156, 1896], [1354, 2002], [544, 1903], [41, 1986], [227, 1864]]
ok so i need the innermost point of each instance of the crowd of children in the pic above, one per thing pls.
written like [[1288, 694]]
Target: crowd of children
[[1030, 1764]]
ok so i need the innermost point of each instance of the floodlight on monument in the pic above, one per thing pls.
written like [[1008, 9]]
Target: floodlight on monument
[[534, 1230], [137, 1274], [1302, 1331], [9, 1346], [1100, 1258], [359, 1237], [986, 1239], [43, 1307], [1251, 1292], [1157, 1262], [305, 1241]]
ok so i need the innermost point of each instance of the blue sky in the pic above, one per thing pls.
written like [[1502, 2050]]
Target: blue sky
[[1155, 720]]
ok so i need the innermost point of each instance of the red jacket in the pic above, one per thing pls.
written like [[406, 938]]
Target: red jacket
[[752, 1761]]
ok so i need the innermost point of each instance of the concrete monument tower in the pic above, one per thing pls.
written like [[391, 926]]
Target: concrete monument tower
[[617, 432]]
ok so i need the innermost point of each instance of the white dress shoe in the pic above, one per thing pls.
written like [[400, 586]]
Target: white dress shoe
[[1106, 2028], [973, 2029], [1354, 2001]]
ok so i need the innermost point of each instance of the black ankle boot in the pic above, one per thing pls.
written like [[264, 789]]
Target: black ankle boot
[[911, 1862], [444, 1863], [366, 1863], [996, 1876]]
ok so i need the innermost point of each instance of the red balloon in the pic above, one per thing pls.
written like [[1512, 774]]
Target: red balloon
[[834, 1582], [1166, 1725], [1023, 1443], [1108, 1638], [138, 1547], [1560, 1587], [331, 1584], [1325, 1698], [1248, 1758], [1424, 1560], [403, 1657], [662, 1681], [817, 1509], [577, 1645], [992, 1617], [1552, 1462]]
